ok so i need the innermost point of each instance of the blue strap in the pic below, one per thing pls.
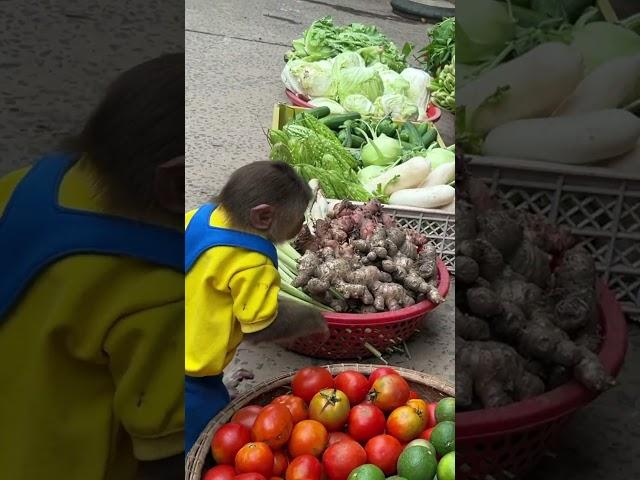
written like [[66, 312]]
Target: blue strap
[[35, 231], [200, 237], [204, 397]]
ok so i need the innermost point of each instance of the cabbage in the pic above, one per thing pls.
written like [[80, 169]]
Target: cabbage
[[483, 27], [600, 42], [398, 106], [380, 67], [368, 173], [393, 82], [382, 150], [418, 92], [347, 60], [372, 54], [358, 103], [312, 79], [362, 80], [334, 107], [440, 156]]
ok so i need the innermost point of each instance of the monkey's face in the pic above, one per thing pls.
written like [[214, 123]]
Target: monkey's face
[[285, 227]]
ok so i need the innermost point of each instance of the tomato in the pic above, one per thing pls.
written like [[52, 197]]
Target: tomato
[[405, 424], [383, 451], [331, 408], [280, 463], [220, 472], [226, 442], [309, 437], [431, 417], [246, 415], [309, 381], [389, 392], [413, 395], [255, 457], [380, 372], [422, 409], [250, 476], [343, 457], [354, 385], [304, 467], [335, 437], [426, 435], [296, 406], [365, 422], [273, 426]]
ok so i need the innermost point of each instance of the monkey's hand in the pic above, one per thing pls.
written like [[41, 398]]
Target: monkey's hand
[[292, 322], [233, 380]]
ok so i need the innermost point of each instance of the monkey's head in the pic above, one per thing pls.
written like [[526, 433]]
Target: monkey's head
[[268, 198], [135, 138]]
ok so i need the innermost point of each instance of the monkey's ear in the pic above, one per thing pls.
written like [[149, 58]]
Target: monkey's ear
[[262, 216], [169, 185]]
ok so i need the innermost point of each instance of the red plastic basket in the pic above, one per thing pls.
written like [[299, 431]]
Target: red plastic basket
[[506, 443], [433, 112], [350, 331]]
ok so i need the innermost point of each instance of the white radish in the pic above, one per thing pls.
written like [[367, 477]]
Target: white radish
[[442, 175], [406, 175], [610, 85], [575, 139], [450, 208], [426, 197], [537, 82]]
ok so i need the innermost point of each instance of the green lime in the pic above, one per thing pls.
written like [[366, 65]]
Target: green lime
[[446, 410], [443, 437], [447, 467], [366, 472], [423, 443], [416, 463]]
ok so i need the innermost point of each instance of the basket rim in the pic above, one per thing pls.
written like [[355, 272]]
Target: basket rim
[[195, 457], [557, 403], [390, 318]]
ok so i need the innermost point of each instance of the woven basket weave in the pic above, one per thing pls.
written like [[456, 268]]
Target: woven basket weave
[[428, 387]]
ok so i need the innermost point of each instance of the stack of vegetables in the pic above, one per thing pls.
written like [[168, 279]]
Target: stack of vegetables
[[439, 60], [355, 68], [347, 427], [565, 90], [356, 259], [355, 159], [521, 327]]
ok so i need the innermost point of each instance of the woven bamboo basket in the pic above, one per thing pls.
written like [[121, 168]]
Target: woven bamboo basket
[[428, 387]]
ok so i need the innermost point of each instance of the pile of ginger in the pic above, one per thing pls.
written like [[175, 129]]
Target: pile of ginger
[[360, 261]]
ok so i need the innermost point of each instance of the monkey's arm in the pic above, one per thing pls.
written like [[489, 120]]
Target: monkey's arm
[[292, 321]]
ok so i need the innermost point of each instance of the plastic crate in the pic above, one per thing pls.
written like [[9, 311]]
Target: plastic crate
[[600, 206]]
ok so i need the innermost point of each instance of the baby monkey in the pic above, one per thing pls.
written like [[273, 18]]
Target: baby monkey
[[232, 280]]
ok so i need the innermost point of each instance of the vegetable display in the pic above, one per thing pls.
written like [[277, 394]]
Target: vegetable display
[[439, 60], [521, 327], [404, 441]]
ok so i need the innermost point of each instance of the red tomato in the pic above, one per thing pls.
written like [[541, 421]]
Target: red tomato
[[405, 424], [335, 437], [426, 435], [250, 476], [365, 422], [389, 392], [380, 372], [343, 457], [354, 385], [276, 478], [255, 457], [383, 451], [413, 395], [309, 381], [331, 408], [226, 442], [431, 417], [296, 406], [309, 437], [220, 472], [246, 415], [280, 463], [422, 409], [273, 426], [304, 467]]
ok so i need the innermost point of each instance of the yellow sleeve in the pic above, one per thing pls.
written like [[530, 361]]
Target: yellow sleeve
[[255, 297], [146, 358]]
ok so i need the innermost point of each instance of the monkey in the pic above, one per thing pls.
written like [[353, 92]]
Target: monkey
[[232, 281], [92, 290]]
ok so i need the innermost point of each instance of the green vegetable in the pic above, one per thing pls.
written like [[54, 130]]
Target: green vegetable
[[359, 80], [368, 173], [440, 156], [381, 150], [358, 103], [387, 127], [335, 121], [334, 107], [429, 137], [318, 112], [347, 60], [393, 82], [441, 46], [422, 128], [443, 87], [397, 106], [600, 42], [357, 141], [313, 79], [412, 134]]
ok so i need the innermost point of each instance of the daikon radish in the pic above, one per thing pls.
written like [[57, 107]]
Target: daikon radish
[[450, 208], [575, 139], [530, 86], [611, 85], [406, 175], [442, 175], [426, 197]]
